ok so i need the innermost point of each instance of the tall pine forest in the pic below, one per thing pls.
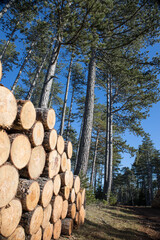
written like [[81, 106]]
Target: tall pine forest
[[89, 61]]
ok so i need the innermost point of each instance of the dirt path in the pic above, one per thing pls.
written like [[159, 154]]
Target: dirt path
[[150, 220], [119, 223]]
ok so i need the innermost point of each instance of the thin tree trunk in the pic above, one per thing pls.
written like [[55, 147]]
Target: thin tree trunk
[[70, 113], [65, 97], [4, 10], [45, 95], [78, 146], [158, 180], [83, 155], [30, 92], [150, 185], [105, 189], [95, 180], [110, 165], [7, 43], [94, 159], [22, 67]]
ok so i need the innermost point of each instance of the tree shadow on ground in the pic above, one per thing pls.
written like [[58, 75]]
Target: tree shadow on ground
[[104, 231]]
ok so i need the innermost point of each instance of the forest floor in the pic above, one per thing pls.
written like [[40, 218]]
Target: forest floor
[[119, 222]]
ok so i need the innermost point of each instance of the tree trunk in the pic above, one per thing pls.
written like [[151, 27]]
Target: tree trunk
[[94, 159], [4, 10], [110, 168], [69, 115], [7, 43], [44, 100], [65, 97], [78, 146], [30, 92], [83, 155], [22, 67], [105, 188]]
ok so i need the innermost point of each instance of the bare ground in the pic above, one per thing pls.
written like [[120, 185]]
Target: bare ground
[[119, 223]]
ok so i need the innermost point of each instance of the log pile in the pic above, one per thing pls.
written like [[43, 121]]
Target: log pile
[[40, 198]]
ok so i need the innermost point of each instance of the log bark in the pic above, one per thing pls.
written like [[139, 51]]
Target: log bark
[[10, 216], [8, 183], [67, 226], [47, 117], [20, 150], [72, 196], [77, 220], [60, 144], [68, 165], [57, 229], [56, 184], [36, 134], [31, 221], [26, 115], [57, 204], [46, 188], [50, 140], [65, 177], [29, 193], [68, 149], [36, 236], [64, 192], [64, 209], [4, 147], [8, 107], [36, 164], [47, 232], [52, 166], [78, 201], [0, 70], [46, 216], [71, 210], [63, 165], [76, 183]]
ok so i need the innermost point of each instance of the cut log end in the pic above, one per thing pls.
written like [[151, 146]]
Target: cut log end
[[46, 215], [56, 208], [79, 201], [48, 231], [60, 145], [36, 236], [77, 184], [57, 184], [18, 234], [50, 140], [8, 107], [9, 179], [36, 134], [37, 162], [53, 163], [47, 193], [36, 220], [20, 150], [47, 116], [57, 229], [64, 209], [69, 149], [4, 147], [10, 216]]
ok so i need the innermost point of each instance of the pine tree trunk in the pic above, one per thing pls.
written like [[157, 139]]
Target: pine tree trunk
[[4, 10], [105, 188], [78, 146], [65, 97], [7, 43], [110, 168], [22, 67], [47, 85], [83, 155], [69, 115], [94, 159], [30, 92]]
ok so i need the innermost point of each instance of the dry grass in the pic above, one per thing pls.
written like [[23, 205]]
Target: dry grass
[[110, 223]]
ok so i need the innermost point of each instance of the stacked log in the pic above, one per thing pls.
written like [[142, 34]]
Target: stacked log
[[40, 198]]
